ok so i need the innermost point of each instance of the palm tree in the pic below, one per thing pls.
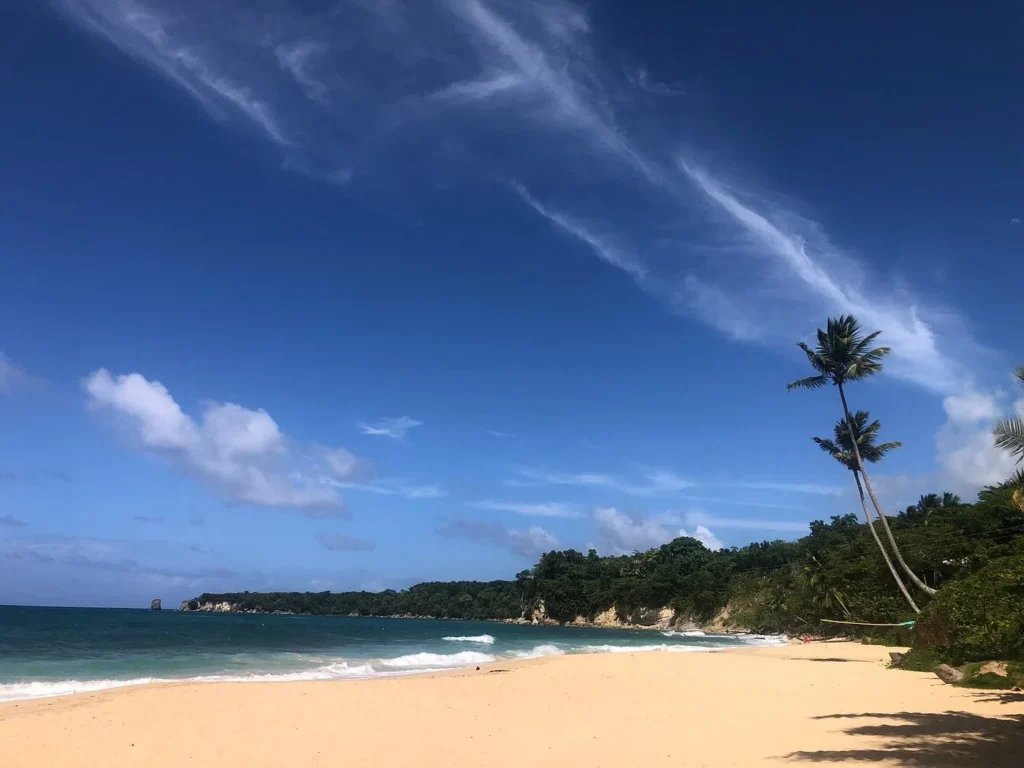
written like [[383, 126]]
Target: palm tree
[[1009, 434], [843, 354], [863, 434]]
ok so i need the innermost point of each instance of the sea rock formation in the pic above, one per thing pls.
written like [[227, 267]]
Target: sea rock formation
[[155, 605]]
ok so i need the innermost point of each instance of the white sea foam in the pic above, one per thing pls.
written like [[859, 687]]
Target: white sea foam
[[538, 652], [766, 640], [39, 689], [686, 633], [438, 660], [335, 669], [673, 647], [485, 639]]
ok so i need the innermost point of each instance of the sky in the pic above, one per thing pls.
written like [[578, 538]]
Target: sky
[[354, 294]]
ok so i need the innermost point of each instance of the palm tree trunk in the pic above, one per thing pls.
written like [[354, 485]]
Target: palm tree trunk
[[878, 541], [874, 501]]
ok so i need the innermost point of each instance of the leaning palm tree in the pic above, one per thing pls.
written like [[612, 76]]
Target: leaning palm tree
[[858, 431], [1009, 434], [843, 354]]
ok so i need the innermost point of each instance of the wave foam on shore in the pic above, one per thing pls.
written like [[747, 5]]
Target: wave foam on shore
[[338, 669]]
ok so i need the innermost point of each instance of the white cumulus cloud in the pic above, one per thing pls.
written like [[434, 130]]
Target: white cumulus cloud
[[620, 533], [239, 452]]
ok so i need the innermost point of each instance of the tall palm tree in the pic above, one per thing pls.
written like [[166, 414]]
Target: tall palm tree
[[1009, 434], [863, 434], [843, 354]]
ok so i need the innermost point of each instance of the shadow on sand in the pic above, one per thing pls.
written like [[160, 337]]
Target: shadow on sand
[[1001, 697], [920, 740]]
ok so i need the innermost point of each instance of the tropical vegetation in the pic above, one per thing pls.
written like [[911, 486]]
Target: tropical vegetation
[[965, 560]]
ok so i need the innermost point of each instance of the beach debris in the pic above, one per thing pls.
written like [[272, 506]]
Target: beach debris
[[897, 659], [948, 674]]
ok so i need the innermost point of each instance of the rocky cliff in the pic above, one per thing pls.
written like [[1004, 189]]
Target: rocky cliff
[[195, 605]]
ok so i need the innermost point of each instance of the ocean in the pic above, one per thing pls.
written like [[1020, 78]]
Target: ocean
[[56, 651]]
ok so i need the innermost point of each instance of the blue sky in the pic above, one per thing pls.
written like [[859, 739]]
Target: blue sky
[[351, 294]]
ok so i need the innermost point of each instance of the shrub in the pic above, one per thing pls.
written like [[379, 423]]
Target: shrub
[[977, 618]]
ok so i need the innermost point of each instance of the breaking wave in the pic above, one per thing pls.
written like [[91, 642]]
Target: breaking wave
[[327, 668], [438, 660]]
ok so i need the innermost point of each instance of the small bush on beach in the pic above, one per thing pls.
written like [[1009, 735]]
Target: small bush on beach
[[977, 618], [976, 677]]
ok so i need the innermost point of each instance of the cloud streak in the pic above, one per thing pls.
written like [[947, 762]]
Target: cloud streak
[[336, 542], [547, 509], [520, 89], [160, 43], [655, 482], [396, 429]]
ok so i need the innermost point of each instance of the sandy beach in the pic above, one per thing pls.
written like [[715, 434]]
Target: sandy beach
[[829, 703]]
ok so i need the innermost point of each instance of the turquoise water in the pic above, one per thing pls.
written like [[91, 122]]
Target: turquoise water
[[53, 651]]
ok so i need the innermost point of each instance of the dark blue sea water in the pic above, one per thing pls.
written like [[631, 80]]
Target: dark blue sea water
[[53, 651]]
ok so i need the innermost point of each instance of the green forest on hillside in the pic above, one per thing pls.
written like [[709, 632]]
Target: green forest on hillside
[[886, 570], [835, 572]]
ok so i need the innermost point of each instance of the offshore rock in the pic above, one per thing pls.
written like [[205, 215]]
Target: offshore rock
[[155, 605]]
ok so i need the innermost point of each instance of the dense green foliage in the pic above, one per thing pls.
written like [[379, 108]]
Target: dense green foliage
[[450, 599], [977, 618], [835, 572]]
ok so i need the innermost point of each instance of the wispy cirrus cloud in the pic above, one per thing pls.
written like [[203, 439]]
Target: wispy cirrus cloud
[[692, 234], [696, 518], [394, 487], [112, 556], [814, 489], [295, 58], [653, 481], [170, 42], [544, 509], [336, 542], [148, 519], [396, 429]]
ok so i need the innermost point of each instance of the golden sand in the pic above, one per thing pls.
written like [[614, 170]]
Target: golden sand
[[833, 703]]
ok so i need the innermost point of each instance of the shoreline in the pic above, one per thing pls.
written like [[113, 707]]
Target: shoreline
[[472, 654], [777, 705]]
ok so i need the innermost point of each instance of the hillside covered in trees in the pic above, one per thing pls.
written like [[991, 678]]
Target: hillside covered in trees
[[884, 571], [835, 572]]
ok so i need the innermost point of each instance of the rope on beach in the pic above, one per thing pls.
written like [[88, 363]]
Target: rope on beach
[[867, 623]]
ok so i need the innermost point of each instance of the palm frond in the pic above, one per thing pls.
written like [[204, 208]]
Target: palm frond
[[884, 448], [865, 433], [1016, 484], [1019, 373], [861, 346], [827, 446], [843, 353], [811, 382], [1009, 435]]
